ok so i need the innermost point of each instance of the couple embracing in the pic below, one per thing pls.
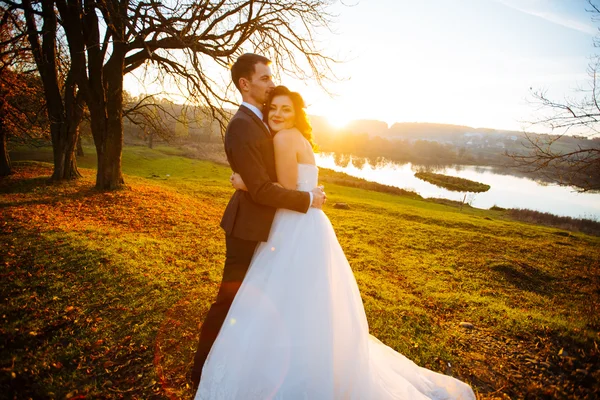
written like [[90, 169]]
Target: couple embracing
[[288, 322]]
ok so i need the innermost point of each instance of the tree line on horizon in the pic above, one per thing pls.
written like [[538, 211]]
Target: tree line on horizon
[[432, 146]]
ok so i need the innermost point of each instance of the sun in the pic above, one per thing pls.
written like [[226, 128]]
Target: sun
[[338, 120]]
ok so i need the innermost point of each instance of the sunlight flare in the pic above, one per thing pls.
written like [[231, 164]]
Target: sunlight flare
[[338, 120]]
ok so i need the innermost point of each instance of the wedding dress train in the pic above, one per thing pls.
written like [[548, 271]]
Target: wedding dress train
[[297, 328]]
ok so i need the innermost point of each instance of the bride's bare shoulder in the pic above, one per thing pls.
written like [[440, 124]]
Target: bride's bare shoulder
[[286, 136]]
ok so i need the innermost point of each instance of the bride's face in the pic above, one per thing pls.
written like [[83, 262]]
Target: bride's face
[[281, 113]]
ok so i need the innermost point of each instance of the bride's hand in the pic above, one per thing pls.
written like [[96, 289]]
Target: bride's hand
[[237, 182]]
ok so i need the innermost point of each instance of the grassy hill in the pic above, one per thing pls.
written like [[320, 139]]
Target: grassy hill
[[103, 293]]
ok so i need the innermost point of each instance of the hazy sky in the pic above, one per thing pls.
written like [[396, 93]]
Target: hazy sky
[[466, 62]]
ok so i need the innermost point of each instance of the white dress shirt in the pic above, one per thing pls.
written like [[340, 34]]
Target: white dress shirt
[[254, 109]]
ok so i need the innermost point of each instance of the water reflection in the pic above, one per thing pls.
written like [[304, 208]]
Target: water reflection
[[341, 159], [507, 190]]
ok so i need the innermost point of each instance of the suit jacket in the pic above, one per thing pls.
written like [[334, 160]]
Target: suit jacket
[[250, 152]]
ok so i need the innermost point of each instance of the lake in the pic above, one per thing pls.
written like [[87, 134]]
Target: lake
[[507, 191]]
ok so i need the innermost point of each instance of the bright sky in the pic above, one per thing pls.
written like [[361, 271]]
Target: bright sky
[[465, 62]]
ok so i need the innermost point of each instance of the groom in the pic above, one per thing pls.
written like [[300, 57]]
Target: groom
[[248, 216]]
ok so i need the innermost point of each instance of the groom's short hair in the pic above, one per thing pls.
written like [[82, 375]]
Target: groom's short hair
[[244, 67]]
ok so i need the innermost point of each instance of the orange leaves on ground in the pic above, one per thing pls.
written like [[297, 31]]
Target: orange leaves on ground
[[106, 266], [76, 206]]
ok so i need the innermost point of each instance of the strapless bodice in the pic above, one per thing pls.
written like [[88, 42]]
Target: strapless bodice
[[308, 177]]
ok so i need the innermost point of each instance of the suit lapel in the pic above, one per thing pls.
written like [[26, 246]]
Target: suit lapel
[[257, 120]]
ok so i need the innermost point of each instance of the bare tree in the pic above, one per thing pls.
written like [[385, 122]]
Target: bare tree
[[577, 165], [64, 103], [21, 101], [183, 41], [151, 115]]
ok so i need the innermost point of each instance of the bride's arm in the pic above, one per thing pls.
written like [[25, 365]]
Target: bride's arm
[[286, 161]]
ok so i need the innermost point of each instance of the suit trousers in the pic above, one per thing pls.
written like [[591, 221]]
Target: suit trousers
[[239, 253]]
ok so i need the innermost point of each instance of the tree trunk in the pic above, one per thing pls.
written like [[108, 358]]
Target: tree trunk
[[151, 138], [101, 84], [80, 152], [77, 117], [109, 176], [62, 115], [108, 143], [5, 168], [63, 145], [66, 135]]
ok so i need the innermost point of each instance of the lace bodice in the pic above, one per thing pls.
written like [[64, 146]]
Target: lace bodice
[[308, 177]]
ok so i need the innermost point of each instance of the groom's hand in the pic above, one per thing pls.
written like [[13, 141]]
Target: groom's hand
[[319, 197], [237, 182]]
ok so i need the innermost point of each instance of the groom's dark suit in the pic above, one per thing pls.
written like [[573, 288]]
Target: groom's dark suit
[[248, 217]]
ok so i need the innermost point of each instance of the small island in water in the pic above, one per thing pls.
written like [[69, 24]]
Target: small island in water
[[453, 183]]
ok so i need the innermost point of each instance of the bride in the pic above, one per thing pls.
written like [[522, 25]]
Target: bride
[[297, 327]]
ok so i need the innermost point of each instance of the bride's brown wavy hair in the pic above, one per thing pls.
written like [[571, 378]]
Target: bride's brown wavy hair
[[301, 121]]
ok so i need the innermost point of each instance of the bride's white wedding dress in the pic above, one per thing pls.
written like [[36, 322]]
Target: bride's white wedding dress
[[297, 328]]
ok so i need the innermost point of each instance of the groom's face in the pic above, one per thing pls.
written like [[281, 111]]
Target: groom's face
[[261, 83]]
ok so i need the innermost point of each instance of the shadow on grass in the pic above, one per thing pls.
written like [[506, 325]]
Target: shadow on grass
[[76, 322], [24, 185], [41, 183], [30, 177], [56, 192], [524, 277], [28, 154]]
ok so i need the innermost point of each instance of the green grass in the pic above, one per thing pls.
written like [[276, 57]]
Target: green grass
[[104, 292]]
